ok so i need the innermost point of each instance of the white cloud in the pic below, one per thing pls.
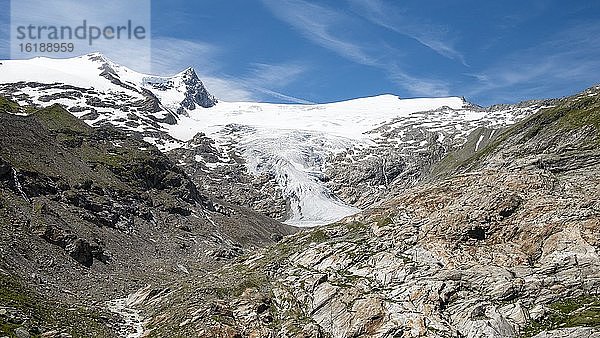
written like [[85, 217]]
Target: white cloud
[[282, 96], [544, 70], [266, 78], [321, 25], [433, 36], [170, 56], [227, 89], [419, 86], [279, 75], [315, 23]]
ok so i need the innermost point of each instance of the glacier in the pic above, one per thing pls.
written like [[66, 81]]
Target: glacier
[[291, 142]]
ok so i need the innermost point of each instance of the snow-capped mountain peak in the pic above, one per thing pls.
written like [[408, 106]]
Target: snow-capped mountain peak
[[183, 91]]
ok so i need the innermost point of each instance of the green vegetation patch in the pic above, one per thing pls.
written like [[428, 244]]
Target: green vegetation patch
[[56, 118], [101, 155], [241, 278], [25, 308], [8, 106], [569, 114], [355, 226], [318, 236], [385, 221], [584, 112], [582, 311]]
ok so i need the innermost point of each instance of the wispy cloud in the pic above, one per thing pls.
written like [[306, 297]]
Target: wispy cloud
[[283, 97], [228, 89], [325, 27], [267, 78], [316, 23], [430, 35], [261, 82], [171, 55], [567, 57], [280, 75], [419, 86]]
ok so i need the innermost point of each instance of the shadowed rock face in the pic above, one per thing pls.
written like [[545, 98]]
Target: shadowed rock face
[[501, 242]]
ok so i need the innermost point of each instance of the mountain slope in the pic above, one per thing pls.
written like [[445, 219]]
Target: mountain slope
[[314, 163], [507, 246], [90, 214]]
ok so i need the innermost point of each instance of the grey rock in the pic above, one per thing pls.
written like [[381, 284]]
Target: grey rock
[[577, 332], [21, 332], [81, 251]]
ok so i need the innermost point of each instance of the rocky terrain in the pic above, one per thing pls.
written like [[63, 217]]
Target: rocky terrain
[[408, 147], [222, 173], [134, 205], [89, 215], [501, 243]]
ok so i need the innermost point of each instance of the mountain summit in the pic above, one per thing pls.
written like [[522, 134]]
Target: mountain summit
[[98, 73]]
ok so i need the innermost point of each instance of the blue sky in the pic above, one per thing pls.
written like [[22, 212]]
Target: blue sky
[[323, 51]]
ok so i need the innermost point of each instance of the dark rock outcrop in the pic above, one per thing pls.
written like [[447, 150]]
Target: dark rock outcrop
[[196, 93]]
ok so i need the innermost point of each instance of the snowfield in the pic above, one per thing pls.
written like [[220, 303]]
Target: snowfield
[[350, 119], [293, 142]]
